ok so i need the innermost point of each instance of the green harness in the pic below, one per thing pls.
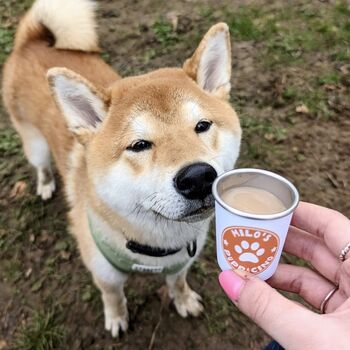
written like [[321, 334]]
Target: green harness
[[124, 263]]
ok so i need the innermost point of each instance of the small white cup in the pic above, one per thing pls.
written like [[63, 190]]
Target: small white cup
[[252, 242]]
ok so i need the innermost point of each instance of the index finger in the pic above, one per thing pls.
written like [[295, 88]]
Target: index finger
[[327, 224]]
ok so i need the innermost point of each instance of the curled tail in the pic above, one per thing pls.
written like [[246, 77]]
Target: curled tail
[[71, 23]]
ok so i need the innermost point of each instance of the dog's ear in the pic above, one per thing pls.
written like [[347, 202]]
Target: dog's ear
[[81, 103], [210, 65]]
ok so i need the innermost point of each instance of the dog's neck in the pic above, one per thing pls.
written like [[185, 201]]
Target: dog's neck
[[143, 249]]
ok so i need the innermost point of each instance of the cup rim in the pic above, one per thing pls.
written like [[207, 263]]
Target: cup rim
[[250, 215]]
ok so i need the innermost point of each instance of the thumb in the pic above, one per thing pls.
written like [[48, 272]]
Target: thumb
[[287, 322]]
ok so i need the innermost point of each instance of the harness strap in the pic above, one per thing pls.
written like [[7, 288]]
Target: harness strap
[[126, 264]]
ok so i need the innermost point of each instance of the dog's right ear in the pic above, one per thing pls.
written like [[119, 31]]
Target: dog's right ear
[[81, 103]]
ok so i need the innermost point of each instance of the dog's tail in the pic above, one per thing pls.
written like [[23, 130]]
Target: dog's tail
[[71, 24]]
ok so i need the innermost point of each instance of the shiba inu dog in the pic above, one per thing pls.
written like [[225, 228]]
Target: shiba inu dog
[[137, 155]]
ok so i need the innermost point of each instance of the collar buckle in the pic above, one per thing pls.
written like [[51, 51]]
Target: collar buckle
[[192, 248]]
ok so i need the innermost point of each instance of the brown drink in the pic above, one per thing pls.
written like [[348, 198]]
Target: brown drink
[[253, 200]]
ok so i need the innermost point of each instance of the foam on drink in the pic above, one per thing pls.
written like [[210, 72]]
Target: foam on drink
[[253, 200]]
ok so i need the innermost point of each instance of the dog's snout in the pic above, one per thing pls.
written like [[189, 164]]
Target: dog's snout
[[195, 181]]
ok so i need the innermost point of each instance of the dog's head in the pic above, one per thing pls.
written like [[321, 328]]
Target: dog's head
[[155, 143]]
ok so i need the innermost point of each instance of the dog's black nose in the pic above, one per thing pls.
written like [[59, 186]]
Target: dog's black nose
[[194, 181]]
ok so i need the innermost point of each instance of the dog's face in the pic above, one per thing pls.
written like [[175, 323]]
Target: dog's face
[[163, 154], [155, 143]]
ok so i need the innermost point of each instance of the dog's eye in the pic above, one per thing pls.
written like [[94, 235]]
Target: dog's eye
[[139, 145], [202, 126]]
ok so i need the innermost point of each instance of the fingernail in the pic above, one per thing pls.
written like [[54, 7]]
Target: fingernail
[[231, 283]]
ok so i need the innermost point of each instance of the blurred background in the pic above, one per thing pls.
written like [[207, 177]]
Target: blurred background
[[291, 63]]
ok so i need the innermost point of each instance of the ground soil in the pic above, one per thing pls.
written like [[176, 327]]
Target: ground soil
[[40, 266]]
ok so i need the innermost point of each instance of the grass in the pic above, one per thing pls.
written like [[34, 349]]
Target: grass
[[305, 32], [9, 13], [6, 39], [166, 38], [10, 142], [206, 12], [242, 25], [221, 309], [342, 55], [219, 321], [12, 270], [106, 57], [287, 37], [290, 93], [10, 10], [316, 102], [165, 33], [41, 333], [289, 33], [329, 78], [260, 138]]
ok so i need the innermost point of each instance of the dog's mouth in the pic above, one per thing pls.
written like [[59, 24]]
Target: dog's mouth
[[193, 216], [198, 214]]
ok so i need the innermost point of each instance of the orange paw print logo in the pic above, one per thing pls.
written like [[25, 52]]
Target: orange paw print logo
[[249, 249]]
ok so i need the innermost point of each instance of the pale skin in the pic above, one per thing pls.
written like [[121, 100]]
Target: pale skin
[[317, 235]]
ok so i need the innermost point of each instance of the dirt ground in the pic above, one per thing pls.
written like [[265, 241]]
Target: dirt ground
[[291, 63]]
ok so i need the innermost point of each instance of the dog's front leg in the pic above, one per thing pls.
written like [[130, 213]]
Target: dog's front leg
[[111, 286], [186, 301]]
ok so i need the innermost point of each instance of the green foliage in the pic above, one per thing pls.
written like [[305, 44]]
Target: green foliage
[[221, 309], [242, 24], [9, 11], [164, 33], [341, 55], [289, 93], [41, 333], [12, 268], [343, 8], [264, 128], [6, 39], [206, 12], [106, 57], [291, 32], [316, 101], [330, 78], [10, 143]]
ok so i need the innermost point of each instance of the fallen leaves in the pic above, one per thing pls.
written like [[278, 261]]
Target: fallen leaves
[[37, 285], [18, 189], [302, 109], [28, 272]]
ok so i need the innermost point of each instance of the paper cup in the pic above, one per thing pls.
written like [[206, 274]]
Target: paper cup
[[252, 242]]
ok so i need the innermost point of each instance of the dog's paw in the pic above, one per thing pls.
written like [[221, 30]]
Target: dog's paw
[[188, 304], [116, 324], [45, 190]]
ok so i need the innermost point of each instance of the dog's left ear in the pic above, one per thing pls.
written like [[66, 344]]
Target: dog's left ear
[[210, 65]]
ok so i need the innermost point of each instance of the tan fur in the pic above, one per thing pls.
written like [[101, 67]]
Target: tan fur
[[84, 154], [27, 67], [71, 22]]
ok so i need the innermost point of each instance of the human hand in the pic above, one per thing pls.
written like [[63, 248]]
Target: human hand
[[317, 235]]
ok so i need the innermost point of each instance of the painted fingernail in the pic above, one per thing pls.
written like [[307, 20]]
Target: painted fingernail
[[231, 283]]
